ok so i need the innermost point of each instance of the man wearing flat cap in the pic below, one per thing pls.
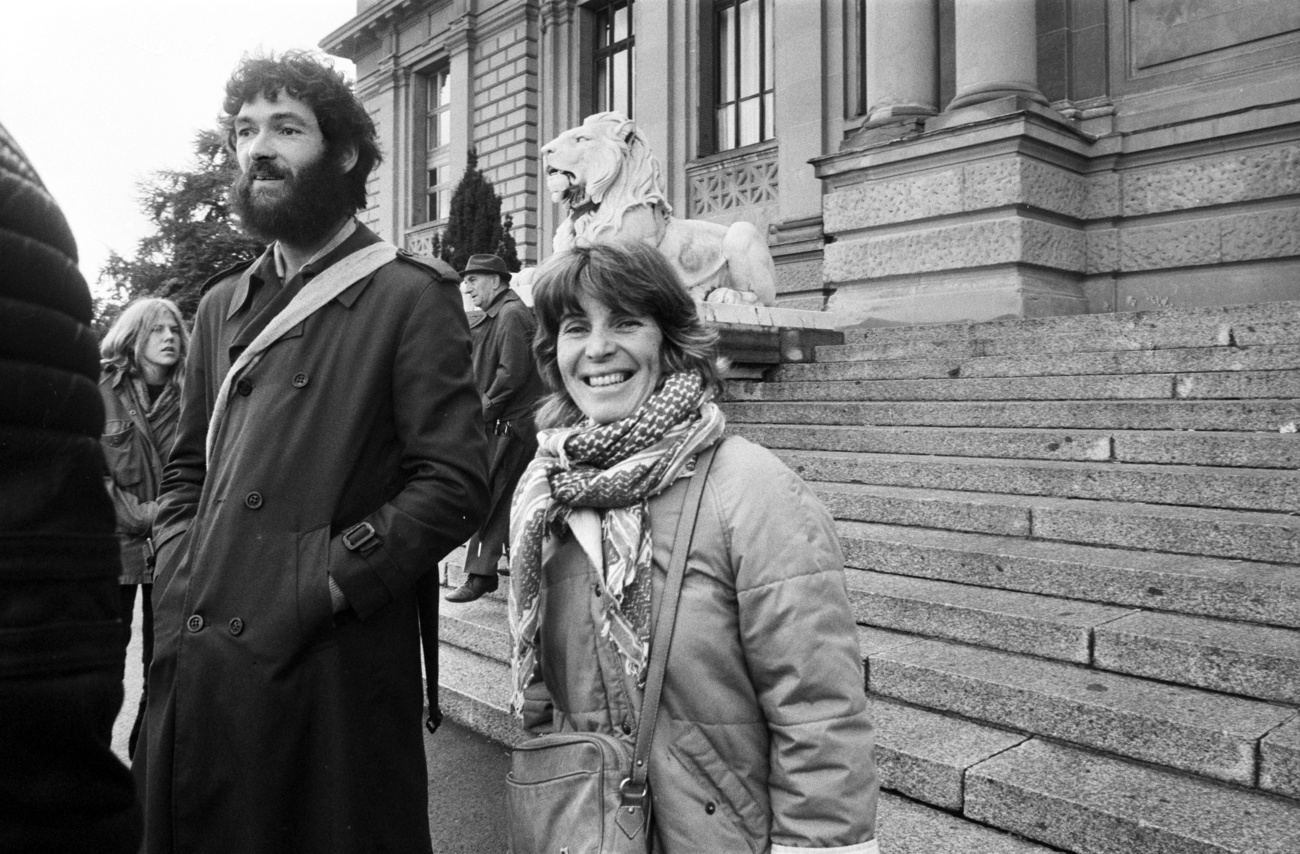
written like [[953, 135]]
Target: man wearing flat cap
[[510, 386]]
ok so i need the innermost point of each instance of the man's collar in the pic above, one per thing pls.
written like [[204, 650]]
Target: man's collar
[[263, 268], [344, 232], [499, 300]]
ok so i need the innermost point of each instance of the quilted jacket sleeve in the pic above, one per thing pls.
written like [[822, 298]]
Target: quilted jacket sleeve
[[800, 643]]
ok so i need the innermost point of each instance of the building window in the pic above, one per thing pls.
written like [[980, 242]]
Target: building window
[[435, 181], [614, 59], [743, 49]]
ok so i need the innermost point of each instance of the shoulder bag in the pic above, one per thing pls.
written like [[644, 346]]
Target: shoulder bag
[[585, 792]]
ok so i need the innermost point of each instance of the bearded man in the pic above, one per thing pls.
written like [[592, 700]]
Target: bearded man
[[330, 450]]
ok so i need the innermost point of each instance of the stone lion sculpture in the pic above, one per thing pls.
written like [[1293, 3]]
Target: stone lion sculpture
[[607, 179]]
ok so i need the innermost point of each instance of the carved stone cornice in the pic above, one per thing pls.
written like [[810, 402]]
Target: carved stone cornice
[[462, 34], [369, 28]]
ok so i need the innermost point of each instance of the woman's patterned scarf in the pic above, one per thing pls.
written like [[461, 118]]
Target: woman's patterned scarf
[[614, 468]]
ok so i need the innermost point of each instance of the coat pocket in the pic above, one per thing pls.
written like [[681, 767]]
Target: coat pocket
[[125, 462], [720, 787], [315, 609]]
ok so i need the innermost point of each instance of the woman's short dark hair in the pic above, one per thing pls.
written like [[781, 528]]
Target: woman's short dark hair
[[629, 277], [343, 119]]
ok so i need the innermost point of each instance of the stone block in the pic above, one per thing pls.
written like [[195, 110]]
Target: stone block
[[927, 508], [1190, 288], [1102, 200], [1104, 387], [1279, 760], [924, 755], [1260, 592], [906, 827], [1232, 534], [1207, 734], [1013, 444], [872, 640], [1261, 234], [1078, 801], [1215, 180], [1237, 385], [1235, 658], [1014, 622], [1101, 251], [1177, 244], [478, 627], [884, 202], [1242, 450]]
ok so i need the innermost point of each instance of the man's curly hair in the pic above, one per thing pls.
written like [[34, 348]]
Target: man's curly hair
[[302, 75]]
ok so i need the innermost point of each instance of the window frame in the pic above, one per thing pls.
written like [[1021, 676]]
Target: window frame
[[731, 95], [433, 125], [605, 57]]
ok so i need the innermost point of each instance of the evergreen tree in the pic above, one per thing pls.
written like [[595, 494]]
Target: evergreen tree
[[474, 224], [195, 236]]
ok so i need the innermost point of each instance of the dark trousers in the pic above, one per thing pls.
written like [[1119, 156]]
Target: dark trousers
[[146, 656], [508, 455]]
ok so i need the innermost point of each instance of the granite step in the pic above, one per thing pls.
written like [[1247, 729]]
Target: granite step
[[474, 691], [1080, 801], [1165, 447], [1105, 387], [1185, 360], [1218, 323], [906, 827], [1032, 624], [1244, 535], [480, 627], [1208, 734], [1235, 658], [1192, 486], [1242, 385], [925, 755], [1267, 416], [1200, 586], [1279, 761]]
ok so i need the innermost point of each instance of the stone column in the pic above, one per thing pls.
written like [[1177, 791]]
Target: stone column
[[997, 51], [902, 60]]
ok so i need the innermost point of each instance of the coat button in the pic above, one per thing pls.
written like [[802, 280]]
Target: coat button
[[627, 728], [253, 500], [236, 627], [595, 588], [710, 808], [244, 387], [195, 623], [300, 380]]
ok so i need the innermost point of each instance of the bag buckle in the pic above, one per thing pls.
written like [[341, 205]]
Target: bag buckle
[[359, 536], [631, 816]]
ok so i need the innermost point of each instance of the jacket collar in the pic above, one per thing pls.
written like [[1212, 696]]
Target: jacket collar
[[264, 269], [502, 298]]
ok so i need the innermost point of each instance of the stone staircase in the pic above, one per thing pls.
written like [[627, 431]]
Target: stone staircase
[[1073, 549]]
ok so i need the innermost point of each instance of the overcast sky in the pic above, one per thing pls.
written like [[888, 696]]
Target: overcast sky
[[101, 93]]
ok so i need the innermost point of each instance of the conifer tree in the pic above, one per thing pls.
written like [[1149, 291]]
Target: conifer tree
[[474, 224]]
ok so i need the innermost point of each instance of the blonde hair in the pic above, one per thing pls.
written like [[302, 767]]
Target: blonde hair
[[124, 343]]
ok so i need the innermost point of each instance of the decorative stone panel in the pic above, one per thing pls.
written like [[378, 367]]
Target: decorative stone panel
[[1213, 181], [732, 186], [419, 241]]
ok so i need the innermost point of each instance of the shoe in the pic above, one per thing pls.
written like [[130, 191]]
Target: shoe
[[474, 588]]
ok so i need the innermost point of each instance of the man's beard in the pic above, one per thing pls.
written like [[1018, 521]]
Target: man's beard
[[310, 205]]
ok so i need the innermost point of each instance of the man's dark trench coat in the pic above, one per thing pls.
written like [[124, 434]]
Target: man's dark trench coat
[[274, 726]]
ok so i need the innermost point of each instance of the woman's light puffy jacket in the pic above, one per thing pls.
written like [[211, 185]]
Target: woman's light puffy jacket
[[763, 741]]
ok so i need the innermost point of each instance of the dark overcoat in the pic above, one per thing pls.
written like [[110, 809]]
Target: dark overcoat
[[273, 725]]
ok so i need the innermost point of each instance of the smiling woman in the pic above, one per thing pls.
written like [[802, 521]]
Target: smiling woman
[[753, 750]]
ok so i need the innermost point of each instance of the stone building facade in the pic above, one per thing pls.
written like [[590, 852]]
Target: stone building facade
[[911, 160]]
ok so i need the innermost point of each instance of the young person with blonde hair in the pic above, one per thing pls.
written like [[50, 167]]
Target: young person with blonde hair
[[143, 354]]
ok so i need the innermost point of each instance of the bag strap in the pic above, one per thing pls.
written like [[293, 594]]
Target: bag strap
[[634, 788]]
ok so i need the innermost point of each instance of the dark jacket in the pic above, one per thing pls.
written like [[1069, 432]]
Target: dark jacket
[[61, 641], [135, 460], [762, 741], [504, 368], [273, 725]]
